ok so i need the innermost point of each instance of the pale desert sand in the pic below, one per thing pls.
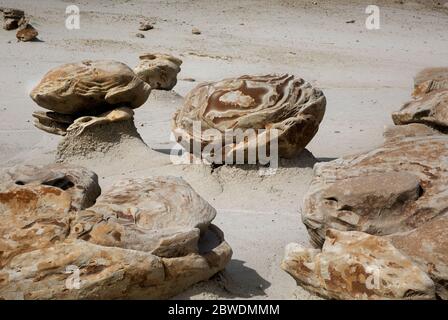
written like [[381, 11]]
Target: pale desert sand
[[364, 74]]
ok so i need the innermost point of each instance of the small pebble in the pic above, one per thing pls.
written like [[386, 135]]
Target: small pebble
[[145, 26], [195, 31], [140, 35]]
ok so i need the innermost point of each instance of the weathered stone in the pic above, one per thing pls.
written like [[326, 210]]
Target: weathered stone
[[430, 109], [430, 79], [427, 247], [53, 122], [116, 115], [160, 214], [11, 13], [27, 33], [394, 188], [13, 18], [80, 184], [356, 265], [158, 70], [145, 238], [196, 31], [145, 26], [101, 138], [292, 106], [90, 88], [33, 217]]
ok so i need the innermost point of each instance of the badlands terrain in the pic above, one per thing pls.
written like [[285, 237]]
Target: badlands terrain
[[365, 75]]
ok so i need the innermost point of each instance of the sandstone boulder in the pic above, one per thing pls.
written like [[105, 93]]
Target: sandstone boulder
[[80, 184], [427, 247], [161, 215], [430, 79], [292, 106], [53, 122], [90, 88], [430, 109], [394, 188], [158, 70], [27, 33], [356, 265], [143, 239]]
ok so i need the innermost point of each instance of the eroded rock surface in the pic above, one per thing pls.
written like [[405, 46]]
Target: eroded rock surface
[[79, 183], [394, 188], [158, 70], [430, 109], [111, 136], [90, 88], [430, 79], [144, 238], [356, 265], [152, 215], [27, 33], [292, 106]]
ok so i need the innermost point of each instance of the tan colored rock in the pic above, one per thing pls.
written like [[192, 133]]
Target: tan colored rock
[[292, 106], [80, 184], [355, 265], [430, 109], [53, 122], [158, 70], [430, 79], [196, 31], [394, 188], [144, 239], [33, 217], [427, 247], [27, 33], [162, 215], [90, 88]]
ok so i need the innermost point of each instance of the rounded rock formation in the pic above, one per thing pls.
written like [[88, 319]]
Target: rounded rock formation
[[158, 70], [292, 106]]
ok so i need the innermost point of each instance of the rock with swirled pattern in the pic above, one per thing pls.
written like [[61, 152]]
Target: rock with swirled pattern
[[430, 79], [144, 238], [158, 70], [427, 247], [13, 18], [290, 105], [90, 88]]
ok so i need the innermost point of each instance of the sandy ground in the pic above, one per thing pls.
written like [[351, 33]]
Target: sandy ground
[[364, 74]]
